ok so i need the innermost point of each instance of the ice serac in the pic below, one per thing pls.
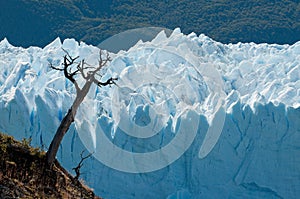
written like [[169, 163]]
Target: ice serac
[[244, 100]]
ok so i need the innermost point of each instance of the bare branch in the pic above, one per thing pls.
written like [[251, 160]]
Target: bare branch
[[81, 69], [99, 75], [71, 68], [74, 73], [68, 62], [68, 74], [80, 164], [102, 62], [69, 57], [55, 68], [108, 82], [88, 72]]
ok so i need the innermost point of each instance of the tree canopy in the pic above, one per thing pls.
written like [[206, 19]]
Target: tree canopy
[[33, 22]]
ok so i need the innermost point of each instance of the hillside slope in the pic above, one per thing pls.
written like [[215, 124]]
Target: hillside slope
[[23, 174]]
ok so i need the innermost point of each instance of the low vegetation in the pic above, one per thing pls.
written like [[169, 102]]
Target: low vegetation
[[24, 174]]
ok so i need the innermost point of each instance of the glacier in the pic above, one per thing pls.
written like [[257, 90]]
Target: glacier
[[235, 109]]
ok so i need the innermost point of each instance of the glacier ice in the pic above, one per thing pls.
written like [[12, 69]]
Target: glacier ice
[[242, 101]]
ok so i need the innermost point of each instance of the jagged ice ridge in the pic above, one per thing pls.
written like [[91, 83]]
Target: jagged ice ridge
[[256, 155]]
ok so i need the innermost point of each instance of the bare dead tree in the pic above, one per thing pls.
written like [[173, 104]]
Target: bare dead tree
[[72, 68], [80, 164]]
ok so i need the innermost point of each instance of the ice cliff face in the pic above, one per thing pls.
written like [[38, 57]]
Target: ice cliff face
[[237, 105]]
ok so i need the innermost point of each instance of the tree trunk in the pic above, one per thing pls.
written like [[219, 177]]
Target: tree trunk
[[61, 131], [66, 123]]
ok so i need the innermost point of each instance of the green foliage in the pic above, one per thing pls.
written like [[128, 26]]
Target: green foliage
[[34, 22], [26, 142], [7, 141]]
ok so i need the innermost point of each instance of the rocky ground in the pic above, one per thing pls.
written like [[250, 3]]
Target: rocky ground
[[24, 174]]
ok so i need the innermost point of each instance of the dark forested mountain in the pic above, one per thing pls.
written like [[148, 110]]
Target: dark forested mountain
[[34, 22]]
